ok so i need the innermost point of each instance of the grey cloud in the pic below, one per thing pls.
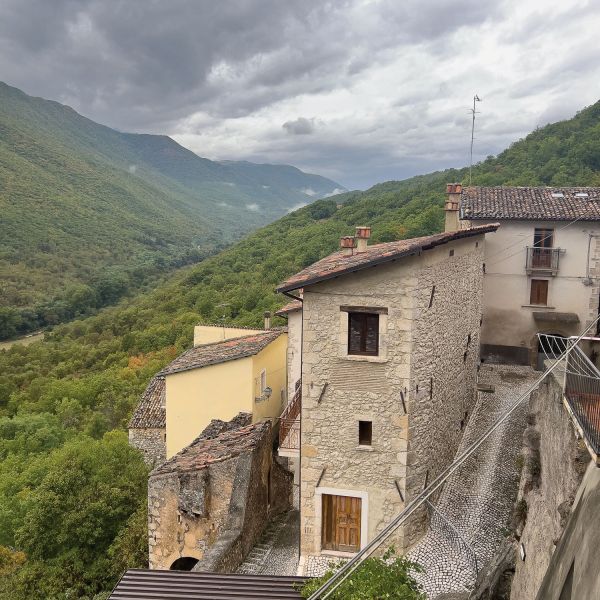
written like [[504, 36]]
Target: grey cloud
[[301, 126], [247, 69]]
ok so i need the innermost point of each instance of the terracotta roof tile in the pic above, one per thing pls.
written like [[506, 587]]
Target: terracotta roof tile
[[203, 452], [292, 306], [220, 352], [150, 411], [535, 203], [337, 264]]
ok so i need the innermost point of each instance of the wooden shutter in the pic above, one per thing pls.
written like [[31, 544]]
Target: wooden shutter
[[543, 238], [539, 292], [363, 333]]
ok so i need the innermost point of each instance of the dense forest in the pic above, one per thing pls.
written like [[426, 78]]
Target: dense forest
[[88, 214], [72, 493]]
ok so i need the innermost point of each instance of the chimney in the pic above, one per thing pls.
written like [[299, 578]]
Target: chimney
[[362, 238], [267, 316], [451, 207], [347, 245]]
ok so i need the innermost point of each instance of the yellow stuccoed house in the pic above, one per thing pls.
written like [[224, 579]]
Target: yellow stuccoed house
[[229, 370]]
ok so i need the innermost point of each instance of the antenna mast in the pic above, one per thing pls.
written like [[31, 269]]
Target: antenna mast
[[476, 98]]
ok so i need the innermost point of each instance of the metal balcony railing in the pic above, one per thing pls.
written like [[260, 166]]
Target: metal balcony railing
[[583, 395], [289, 422], [542, 259]]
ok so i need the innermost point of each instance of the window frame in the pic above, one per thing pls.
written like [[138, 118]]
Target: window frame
[[543, 237], [364, 316], [362, 438], [534, 284]]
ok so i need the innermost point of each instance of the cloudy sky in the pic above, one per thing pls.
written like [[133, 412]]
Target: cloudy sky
[[358, 90]]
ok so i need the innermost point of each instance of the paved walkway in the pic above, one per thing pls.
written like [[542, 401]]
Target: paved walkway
[[277, 551], [470, 518]]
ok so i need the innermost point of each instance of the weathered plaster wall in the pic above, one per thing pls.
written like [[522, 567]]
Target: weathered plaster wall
[[174, 530], [217, 513], [444, 360], [373, 388], [151, 443], [508, 319], [555, 461]]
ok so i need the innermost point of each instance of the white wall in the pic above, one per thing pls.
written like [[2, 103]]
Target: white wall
[[508, 317]]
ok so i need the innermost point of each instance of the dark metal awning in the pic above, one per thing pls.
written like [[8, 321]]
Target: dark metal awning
[[556, 317], [182, 585]]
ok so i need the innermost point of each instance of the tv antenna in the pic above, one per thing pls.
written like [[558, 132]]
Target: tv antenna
[[224, 305], [476, 98]]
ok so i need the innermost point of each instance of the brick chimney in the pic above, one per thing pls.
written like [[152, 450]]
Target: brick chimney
[[267, 316], [451, 207], [347, 245], [362, 238]]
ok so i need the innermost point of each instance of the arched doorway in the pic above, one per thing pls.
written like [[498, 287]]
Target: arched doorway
[[547, 347], [184, 563]]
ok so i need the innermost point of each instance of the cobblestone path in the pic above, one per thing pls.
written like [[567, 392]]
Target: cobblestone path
[[277, 551], [475, 505]]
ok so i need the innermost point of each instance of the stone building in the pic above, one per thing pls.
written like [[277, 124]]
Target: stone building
[[208, 505], [542, 267], [390, 347], [147, 427]]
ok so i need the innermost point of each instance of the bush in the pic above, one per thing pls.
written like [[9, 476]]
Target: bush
[[389, 577]]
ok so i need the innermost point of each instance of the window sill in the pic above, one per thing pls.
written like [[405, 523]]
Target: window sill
[[538, 306], [365, 358], [363, 448]]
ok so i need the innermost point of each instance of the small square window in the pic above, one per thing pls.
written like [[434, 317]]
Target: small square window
[[365, 433], [363, 333]]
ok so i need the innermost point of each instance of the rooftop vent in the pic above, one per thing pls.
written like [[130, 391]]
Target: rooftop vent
[[557, 195], [581, 195]]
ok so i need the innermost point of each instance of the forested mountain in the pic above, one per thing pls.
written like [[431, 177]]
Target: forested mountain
[[87, 212], [72, 496]]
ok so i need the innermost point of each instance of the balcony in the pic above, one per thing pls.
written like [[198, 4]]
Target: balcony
[[289, 425], [582, 393], [542, 260]]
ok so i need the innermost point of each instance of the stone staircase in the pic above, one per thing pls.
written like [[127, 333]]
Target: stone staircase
[[257, 558]]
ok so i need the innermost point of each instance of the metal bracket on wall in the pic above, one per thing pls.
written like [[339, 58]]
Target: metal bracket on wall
[[321, 476], [322, 393], [403, 403], [399, 490]]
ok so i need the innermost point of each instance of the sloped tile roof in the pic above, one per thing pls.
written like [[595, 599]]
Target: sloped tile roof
[[337, 264], [535, 203], [153, 584], [203, 452], [292, 306], [220, 352], [150, 412]]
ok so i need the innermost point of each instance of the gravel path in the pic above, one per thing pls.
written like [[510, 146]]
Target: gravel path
[[473, 511]]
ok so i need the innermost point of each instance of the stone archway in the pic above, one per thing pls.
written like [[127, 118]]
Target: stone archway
[[184, 563], [538, 351]]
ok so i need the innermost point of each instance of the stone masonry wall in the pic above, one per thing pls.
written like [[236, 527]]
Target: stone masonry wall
[[555, 461], [379, 389], [444, 361], [151, 443], [216, 514]]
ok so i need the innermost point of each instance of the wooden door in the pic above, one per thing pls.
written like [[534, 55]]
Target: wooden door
[[341, 523]]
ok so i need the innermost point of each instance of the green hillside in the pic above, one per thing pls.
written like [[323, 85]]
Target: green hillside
[[72, 496], [88, 213]]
